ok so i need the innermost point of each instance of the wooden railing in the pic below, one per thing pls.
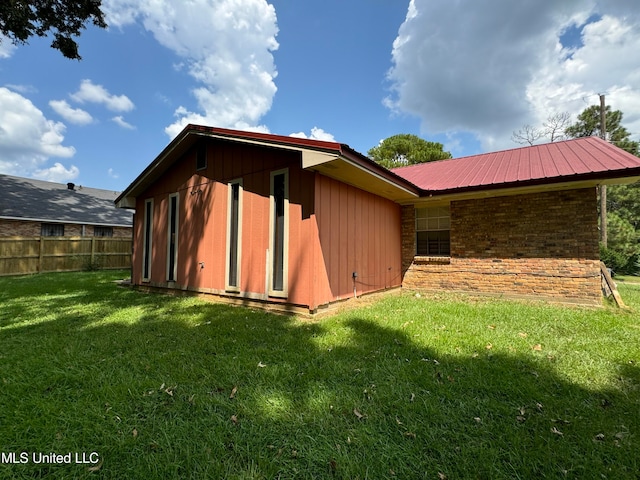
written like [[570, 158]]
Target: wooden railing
[[24, 255]]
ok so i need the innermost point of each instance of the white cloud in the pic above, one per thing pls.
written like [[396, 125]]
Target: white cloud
[[488, 68], [21, 88], [316, 134], [112, 174], [118, 120], [226, 47], [90, 92], [27, 137], [76, 116], [601, 66], [6, 47], [58, 173]]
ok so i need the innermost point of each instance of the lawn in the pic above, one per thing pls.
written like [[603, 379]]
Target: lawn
[[150, 386]]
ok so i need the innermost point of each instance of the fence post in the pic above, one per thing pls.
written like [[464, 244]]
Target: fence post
[[93, 251], [40, 254]]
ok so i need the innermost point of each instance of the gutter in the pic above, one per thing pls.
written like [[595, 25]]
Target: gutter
[[596, 177], [72, 222]]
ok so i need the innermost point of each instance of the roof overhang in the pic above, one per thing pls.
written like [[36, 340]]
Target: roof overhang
[[65, 221], [441, 197], [178, 146], [354, 171], [576, 163]]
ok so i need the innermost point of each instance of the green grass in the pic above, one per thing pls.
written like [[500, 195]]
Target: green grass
[[403, 387], [626, 279]]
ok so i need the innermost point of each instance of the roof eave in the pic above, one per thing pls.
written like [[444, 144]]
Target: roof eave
[[127, 198], [564, 182], [67, 221]]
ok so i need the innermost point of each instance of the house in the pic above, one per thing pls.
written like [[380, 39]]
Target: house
[[50, 227], [32, 208], [300, 223]]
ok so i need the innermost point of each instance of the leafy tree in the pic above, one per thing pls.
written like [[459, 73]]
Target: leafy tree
[[588, 125], [618, 262], [623, 226], [624, 200], [623, 237], [21, 19], [406, 149]]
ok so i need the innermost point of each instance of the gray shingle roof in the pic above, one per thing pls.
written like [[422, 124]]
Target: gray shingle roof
[[29, 199]]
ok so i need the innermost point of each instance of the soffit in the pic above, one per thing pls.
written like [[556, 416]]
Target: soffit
[[347, 171]]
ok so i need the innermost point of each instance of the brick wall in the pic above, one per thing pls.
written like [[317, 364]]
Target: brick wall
[[23, 228], [542, 244], [122, 232], [118, 232], [19, 228]]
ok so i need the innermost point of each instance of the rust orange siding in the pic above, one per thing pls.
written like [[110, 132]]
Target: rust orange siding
[[203, 213], [334, 229], [358, 232]]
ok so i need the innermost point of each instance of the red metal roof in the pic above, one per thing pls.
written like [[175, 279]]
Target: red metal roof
[[571, 160], [576, 160]]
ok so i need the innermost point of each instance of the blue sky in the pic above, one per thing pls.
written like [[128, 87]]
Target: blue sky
[[463, 73]]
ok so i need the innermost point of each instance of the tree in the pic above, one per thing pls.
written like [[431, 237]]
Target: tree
[[623, 225], [624, 201], [623, 249], [406, 149], [588, 124], [624, 237], [552, 129], [21, 19]]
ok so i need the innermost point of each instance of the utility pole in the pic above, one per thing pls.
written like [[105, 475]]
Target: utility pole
[[603, 188]]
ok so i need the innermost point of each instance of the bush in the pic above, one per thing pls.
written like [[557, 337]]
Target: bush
[[633, 265], [92, 266], [619, 262]]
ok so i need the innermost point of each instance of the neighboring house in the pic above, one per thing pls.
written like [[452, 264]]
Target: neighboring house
[[302, 223], [33, 208]]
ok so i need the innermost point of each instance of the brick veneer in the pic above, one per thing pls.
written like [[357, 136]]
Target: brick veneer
[[19, 228], [541, 244], [24, 228]]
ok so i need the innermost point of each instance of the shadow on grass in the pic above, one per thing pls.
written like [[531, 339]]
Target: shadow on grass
[[165, 387]]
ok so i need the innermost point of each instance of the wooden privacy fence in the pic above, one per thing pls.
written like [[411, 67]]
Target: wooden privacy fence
[[23, 255]]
